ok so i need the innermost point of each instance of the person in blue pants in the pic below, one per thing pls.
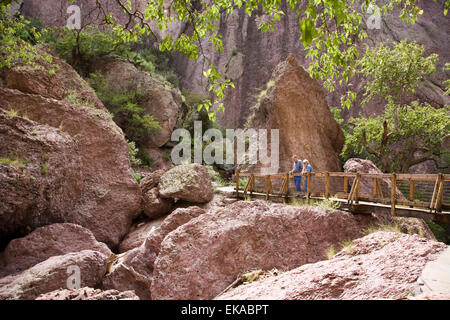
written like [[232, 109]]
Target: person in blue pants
[[306, 168], [297, 167]]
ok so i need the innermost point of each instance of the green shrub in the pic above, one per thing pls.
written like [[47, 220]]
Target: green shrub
[[145, 158], [439, 230], [132, 152], [14, 161], [137, 176], [215, 176], [135, 123], [44, 168]]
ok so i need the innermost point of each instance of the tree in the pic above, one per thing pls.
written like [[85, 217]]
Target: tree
[[392, 71], [418, 138]]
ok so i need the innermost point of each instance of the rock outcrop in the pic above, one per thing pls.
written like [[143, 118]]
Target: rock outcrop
[[157, 98], [53, 274], [40, 174], [54, 12], [128, 272], [295, 104], [189, 182], [87, 293], [382, 265], [202, 257], [133, 270], [249, 56], [103, 195], [138, 233], [356, 165], [46, 242], [63, 82]]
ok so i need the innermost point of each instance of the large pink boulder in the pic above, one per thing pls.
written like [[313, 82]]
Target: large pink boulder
[[133, 269], [45, 242], [202, 257], [53, 274], [138, 233], [356, 165], [87, 293], [189, 182], [382, 265], [103, 197]]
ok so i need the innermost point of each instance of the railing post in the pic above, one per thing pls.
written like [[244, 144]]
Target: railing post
[[327, 185], [435, 193], [374, 188], [358, 179], [308, 185], [411, 190], [237, 185], [252, 184], [268, 186], [393, 193], [440, 194], [346, 184], [286, 187]]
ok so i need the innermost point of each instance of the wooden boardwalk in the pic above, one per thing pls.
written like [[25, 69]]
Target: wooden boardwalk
[[349, 195]]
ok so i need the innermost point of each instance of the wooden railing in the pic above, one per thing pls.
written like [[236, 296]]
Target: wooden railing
[[352, 196]]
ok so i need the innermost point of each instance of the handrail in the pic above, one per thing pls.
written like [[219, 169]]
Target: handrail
[[353, 196]]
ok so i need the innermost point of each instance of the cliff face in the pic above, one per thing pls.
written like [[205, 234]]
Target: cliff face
[[295, 104], [249, 57]]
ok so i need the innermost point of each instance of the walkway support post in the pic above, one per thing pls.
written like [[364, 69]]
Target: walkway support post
[[393, 193], [327, 185], [237, 185], [268, 186], [308, 185], [252, 184], [411, 190]]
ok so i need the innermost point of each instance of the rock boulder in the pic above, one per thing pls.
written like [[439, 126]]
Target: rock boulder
[[41, 178], [295, 104], [382, 265], [202, 257], [46, 242], [190, 182], [103, 196], [53, 274], [87, 293], [158, 98]]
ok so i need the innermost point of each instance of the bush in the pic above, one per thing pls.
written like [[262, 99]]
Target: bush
[[135, 123], [133, 152]]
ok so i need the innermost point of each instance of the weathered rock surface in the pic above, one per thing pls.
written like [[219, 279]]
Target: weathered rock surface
[[53, 274], [133, 269], [124, 274], [61, 83], [151, 180], [158, 98], [138, 233], [435, 277], [40, 175], [45, 242], [154, 206], [202, 257], [249, 57], [87, 293], [356, 165], [54, 12], [382, 265], [177, 218], [107, 195], [190, 182], [295, 104]]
